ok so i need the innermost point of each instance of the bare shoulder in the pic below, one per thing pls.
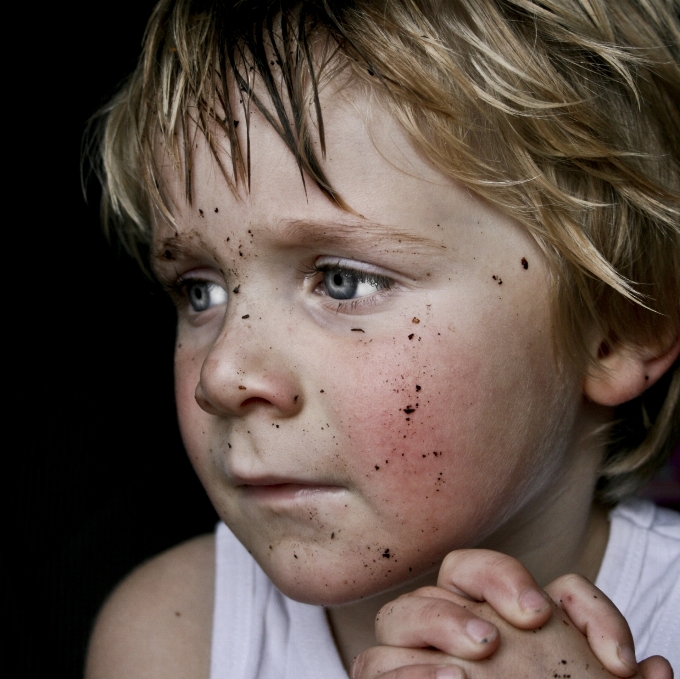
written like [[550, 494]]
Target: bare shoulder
[[158, 621]]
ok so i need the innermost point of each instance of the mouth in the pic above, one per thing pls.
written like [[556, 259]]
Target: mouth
[[285, 490]]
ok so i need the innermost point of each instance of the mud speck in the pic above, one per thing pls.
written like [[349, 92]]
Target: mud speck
[[216, 210], [386, 554], [246, 316], [415, 320], [411, 336], [525, 264], [200, 212], [236, 289], [240, 386], [168, 255], [418, 387], [408, 411], [358, 330]]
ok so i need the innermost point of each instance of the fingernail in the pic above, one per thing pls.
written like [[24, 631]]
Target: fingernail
[[627, 656], [449, 673], [480, 631], [534, 600]]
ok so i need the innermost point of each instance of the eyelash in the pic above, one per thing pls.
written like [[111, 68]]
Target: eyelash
[[381, 282], [177, 289]]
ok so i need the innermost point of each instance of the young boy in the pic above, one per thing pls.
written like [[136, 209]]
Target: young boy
[[426, 262]]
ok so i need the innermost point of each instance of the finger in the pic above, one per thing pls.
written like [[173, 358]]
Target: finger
[[656, 667], [596, 616], [501, 580], [428, 620], [388, 662]]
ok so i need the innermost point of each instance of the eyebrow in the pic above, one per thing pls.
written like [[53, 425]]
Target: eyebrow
[[330, 233], [313, 234]]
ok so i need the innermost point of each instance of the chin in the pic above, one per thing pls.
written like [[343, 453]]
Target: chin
[[321, 584]]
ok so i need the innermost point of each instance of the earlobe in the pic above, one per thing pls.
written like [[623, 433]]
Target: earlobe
[[623, 372]]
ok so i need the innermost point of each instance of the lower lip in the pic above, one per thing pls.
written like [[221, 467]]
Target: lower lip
[[288, 492]]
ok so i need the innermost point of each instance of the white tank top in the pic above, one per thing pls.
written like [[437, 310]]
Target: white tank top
[[258, 633]]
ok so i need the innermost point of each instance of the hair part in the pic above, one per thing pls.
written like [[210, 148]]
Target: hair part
[[563, 113]]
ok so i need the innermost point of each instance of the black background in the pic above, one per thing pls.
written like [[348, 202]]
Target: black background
[[100, 479]]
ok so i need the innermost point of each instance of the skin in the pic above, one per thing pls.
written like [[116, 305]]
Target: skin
[[297, 423]]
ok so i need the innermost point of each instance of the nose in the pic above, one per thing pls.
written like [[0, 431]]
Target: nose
[[244, 371]]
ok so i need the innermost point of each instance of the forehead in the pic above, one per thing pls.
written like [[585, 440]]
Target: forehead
[[369, 160]]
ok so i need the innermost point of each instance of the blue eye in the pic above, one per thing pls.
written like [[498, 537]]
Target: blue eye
[[349, 284], [204, 295]]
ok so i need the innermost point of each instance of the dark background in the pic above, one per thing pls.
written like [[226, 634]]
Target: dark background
[[101, 481], [98, 480]]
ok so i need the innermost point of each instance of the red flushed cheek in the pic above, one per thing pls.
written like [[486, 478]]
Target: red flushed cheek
[[408, 415]]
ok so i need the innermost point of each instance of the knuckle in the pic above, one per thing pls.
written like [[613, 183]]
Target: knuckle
[[364, 664]]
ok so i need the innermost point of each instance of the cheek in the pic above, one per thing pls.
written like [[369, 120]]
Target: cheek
[[439, 434], [187, 367]]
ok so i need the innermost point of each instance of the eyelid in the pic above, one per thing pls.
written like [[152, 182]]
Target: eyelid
[[176, 286], [326, 261]]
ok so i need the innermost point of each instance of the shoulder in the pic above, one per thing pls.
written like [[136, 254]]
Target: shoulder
[[158, 621], [640, 574]]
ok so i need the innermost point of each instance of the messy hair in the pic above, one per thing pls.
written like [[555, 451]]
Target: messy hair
[[563, 113]]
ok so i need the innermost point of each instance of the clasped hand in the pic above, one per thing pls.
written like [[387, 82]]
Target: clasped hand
[[487, 618]]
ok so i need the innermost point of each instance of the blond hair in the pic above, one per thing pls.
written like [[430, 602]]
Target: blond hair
[[564, 113]]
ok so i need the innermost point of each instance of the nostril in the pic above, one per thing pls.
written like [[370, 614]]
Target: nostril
[[253, 400]]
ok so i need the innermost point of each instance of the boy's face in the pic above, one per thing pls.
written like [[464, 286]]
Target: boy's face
[[362, 394]]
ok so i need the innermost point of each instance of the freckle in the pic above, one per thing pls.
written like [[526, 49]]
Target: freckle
[[270, 546], [415, 320], [177, 613], [246, 316]]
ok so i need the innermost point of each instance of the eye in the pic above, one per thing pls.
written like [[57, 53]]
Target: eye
[[343, 283], [204, 295]]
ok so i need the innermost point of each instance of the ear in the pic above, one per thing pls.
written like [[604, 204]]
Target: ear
[[623, 372]]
